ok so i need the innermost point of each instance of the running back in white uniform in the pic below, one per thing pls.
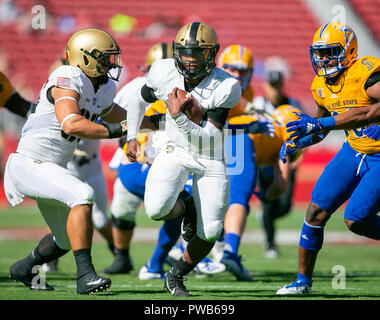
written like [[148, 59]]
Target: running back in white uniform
[[183, 157]]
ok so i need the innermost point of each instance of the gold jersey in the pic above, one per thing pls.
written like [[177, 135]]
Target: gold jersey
[[346, 94]]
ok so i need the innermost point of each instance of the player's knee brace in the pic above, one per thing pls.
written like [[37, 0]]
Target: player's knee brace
[[311, 237], [121, 224]]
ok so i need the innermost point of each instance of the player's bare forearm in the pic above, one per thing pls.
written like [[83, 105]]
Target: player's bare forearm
[[80, 127], [358, 117]]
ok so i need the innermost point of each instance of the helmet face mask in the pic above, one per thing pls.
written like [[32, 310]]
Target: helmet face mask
[[96, 53], [334, 48], [328, 59], [105, 61], [195, 49]]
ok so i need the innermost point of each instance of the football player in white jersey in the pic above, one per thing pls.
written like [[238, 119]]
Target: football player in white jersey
[[86, 165], [189, 147], [71, 100]]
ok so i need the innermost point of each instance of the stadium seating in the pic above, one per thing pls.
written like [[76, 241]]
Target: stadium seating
[[369, 11], [279, 27]]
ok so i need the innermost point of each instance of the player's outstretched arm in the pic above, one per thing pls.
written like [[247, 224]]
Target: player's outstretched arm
[[359, 117]]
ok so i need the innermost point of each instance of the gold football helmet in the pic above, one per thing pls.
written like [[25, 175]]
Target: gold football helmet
[[200, 42], [159, 51], [95, 52]]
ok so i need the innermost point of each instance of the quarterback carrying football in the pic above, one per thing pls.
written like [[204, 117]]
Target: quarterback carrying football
[[189, 148]]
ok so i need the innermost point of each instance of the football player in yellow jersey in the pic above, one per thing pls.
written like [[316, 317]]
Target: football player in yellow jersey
[[345, 89], [260, 150], [238, 61]]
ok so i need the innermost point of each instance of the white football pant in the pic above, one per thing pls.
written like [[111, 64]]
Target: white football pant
[[167, 177], [55, 189], [92, 174], [124, 204]]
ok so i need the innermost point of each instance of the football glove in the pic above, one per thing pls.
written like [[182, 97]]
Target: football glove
[[302, 127], [307, 125], [116, 130], [290, 147], [373, 132], [262, 126]]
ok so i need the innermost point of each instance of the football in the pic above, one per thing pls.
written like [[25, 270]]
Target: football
[[192, 109]]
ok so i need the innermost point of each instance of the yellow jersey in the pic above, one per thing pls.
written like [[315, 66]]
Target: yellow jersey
[[6, 89], [346, 94]]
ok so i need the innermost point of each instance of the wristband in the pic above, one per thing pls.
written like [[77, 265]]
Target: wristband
[[115, 130], [327, 123]]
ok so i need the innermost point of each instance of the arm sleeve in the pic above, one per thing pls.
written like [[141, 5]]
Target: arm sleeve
[[189, 127], [135, 114], [373, 78]]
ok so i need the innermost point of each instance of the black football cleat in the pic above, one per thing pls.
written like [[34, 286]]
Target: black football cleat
[[92, 284], [189, 222], [19, 272], [120, 265], [174, 284]]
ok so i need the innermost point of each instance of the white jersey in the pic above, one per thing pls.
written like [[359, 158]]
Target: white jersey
[[42, 136], [124, 96], [217, 90]]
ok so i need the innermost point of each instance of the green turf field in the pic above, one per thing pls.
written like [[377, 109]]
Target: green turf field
[[29, 216], [361, 265]]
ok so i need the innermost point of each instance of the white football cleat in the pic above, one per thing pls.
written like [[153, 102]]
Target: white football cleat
[[297, 287], [209, 267], [217, 251], [145, 274]]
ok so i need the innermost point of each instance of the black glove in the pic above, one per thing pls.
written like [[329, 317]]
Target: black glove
[[116, 130]]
